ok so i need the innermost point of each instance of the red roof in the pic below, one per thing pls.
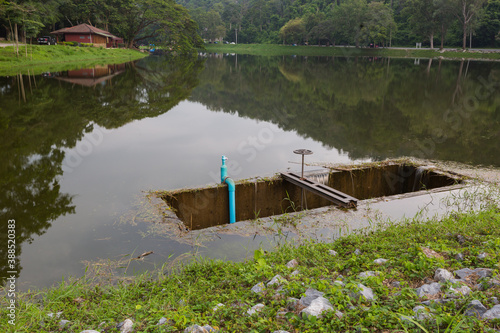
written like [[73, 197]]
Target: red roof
[[84, 29]]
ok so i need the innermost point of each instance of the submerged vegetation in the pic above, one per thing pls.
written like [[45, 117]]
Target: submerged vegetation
[[186, 295]]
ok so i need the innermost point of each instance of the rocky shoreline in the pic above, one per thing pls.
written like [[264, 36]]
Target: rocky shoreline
[[444, 289]]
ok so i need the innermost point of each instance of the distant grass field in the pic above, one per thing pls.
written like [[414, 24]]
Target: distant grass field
[[278, 50], [39, 58]]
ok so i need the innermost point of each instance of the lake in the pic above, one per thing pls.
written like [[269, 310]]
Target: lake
[[81, 148]]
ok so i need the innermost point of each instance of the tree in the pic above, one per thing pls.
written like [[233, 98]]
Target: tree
[[23, 19], [210, 24], [466, 11], [379, 23], [293, 31], [233, 13], [489, 25], [422, 18], [163, 20], [324, 30], [443, 15], [351, 17]]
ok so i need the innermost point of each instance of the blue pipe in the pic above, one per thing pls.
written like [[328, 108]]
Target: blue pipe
[[231, 187]]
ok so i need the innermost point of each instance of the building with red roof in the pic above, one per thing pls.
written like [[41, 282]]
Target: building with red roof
[[84, 33]]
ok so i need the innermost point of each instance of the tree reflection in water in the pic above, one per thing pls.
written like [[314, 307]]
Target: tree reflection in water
[[41, 116]]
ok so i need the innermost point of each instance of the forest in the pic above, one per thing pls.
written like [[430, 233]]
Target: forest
[[361, 23], [137, 21], [434, 23]]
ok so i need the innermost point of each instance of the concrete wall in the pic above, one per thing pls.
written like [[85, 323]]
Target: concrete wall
[[205, 207]]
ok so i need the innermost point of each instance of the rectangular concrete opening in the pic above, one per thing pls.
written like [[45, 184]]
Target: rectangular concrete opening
[[205, 207]]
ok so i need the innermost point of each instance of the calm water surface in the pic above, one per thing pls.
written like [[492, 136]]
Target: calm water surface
[[79, 148]]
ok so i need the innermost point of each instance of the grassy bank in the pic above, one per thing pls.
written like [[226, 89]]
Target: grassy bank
[[279, 50], [42, 58], [188, 295]]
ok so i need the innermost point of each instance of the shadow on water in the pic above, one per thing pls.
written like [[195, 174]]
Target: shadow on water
[[42, 115]]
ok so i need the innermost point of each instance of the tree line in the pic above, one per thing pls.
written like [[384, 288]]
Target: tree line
[[137, 21], [459, 23], [365, 107]]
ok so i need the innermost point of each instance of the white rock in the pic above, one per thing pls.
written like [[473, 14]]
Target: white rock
[[218, 306], [126, 326], [458, 292], [365, 292], [475, 308], [295, 272], [380, 261], [256, 308], [422, 313], [258, 288], [333, 252], [291, 303], [493, 313], [292, 263], [195, 329], [428, 289], [162, 321], [276, 280], [443, 275], [311, 295], [317, 307], [482, 256], [63, 323], [357, 252], [366, 274], [481, 272], [56, 315], [339, 283]]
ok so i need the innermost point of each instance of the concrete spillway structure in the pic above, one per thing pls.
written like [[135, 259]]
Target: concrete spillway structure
[[205, 207]]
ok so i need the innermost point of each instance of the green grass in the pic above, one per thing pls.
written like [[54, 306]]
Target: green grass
[[279, 50], [43, 58], [187, 294]]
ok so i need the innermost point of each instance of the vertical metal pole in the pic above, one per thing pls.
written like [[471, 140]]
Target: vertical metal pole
[[302, 193], [302, 152], [302, 175]]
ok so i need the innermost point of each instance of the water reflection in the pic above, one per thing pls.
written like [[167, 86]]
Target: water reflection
[[363, 107], [90, 76], [42, 116], [368, 107]]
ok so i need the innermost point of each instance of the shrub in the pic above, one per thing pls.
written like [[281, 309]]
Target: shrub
[[70, 43]]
